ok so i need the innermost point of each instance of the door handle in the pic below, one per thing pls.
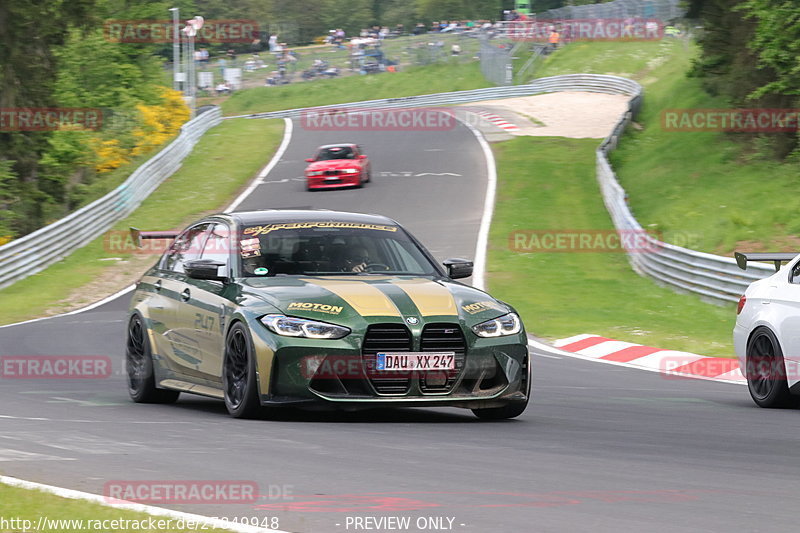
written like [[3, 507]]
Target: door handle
[[157, 286], [185, 295]]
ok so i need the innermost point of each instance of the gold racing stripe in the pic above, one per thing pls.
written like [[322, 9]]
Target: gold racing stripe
[[366, 299], [429, 297]]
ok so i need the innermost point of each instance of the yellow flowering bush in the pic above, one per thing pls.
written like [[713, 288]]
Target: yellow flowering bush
[[160, 122]]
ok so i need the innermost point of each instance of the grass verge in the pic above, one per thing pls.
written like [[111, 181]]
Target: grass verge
[[23, 509], [706, 190], [223, 160], [443, 77], [548, 183]]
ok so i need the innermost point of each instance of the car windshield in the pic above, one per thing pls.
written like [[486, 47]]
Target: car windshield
[[335, 152], [330, 248]]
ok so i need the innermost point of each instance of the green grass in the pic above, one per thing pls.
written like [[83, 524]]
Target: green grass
[[22, 504], [438, 78], [631, 59], [549, 183], [704, 190], [223, 160]]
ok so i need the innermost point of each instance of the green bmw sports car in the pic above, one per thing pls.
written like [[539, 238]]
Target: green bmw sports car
[[270, 308]]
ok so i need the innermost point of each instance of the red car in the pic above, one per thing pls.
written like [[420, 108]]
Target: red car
[[337, 165]]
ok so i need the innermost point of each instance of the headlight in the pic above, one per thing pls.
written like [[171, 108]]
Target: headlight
[[316, 173], [300, 327], [509, 324], [349, 171]]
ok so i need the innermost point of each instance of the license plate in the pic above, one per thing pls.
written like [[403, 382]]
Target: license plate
[[334, 178], [404, 361]]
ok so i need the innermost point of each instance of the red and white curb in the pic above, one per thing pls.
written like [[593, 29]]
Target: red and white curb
[[670, 363], [498, 121]]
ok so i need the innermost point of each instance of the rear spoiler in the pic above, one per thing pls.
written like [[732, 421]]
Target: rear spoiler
[[137, 235], [777, 258]]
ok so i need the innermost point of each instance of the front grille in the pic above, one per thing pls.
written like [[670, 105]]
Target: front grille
[[331, 172], [442, 338], [385, 338]]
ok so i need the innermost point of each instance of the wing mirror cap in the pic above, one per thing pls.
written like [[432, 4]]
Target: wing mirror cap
[[207, 269], [458, 268]]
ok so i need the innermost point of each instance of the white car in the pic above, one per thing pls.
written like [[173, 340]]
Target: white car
[[767, 332]]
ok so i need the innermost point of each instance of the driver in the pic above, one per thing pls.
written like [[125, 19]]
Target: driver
[[356, 260]]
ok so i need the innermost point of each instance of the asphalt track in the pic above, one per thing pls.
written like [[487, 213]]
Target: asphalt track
[[601, 448]]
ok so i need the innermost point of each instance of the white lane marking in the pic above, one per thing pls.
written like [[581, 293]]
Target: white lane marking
[[82, 403], [407, 174], [9, 417], [7, 454], [547, 356], [438, 174], [76, 311], [75, 443], [136, 507], [479, 270], [287, 137], [552, 349]]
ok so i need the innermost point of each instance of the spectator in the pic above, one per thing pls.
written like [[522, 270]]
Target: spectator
[[553, 39], [273, 42], [223, 88], [455, 50]]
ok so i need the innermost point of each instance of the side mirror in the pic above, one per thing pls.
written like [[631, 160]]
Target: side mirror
[[309, 159], [362, 156], [207, 269], [458, 268]]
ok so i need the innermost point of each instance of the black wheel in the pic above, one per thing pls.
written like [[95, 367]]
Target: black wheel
[[139, 367], [513, 409], [239, 374], [369, 175], [766, 372]]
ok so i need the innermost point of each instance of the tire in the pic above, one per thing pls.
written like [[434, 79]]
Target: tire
[[239, 374], [512, 409], [766, 371], [369, 176], [139, 366]]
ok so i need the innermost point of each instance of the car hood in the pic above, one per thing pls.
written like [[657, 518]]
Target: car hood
[[333, 164], [351, 300]]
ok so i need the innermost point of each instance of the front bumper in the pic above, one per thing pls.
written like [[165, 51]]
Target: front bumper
[[333, 182], [335, 373]]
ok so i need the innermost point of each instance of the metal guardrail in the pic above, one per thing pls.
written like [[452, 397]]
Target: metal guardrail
[[714, 277], [569, 82], [34, 252]]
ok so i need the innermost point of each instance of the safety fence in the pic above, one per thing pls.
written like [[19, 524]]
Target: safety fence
[[32, 253], [665, 10]]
